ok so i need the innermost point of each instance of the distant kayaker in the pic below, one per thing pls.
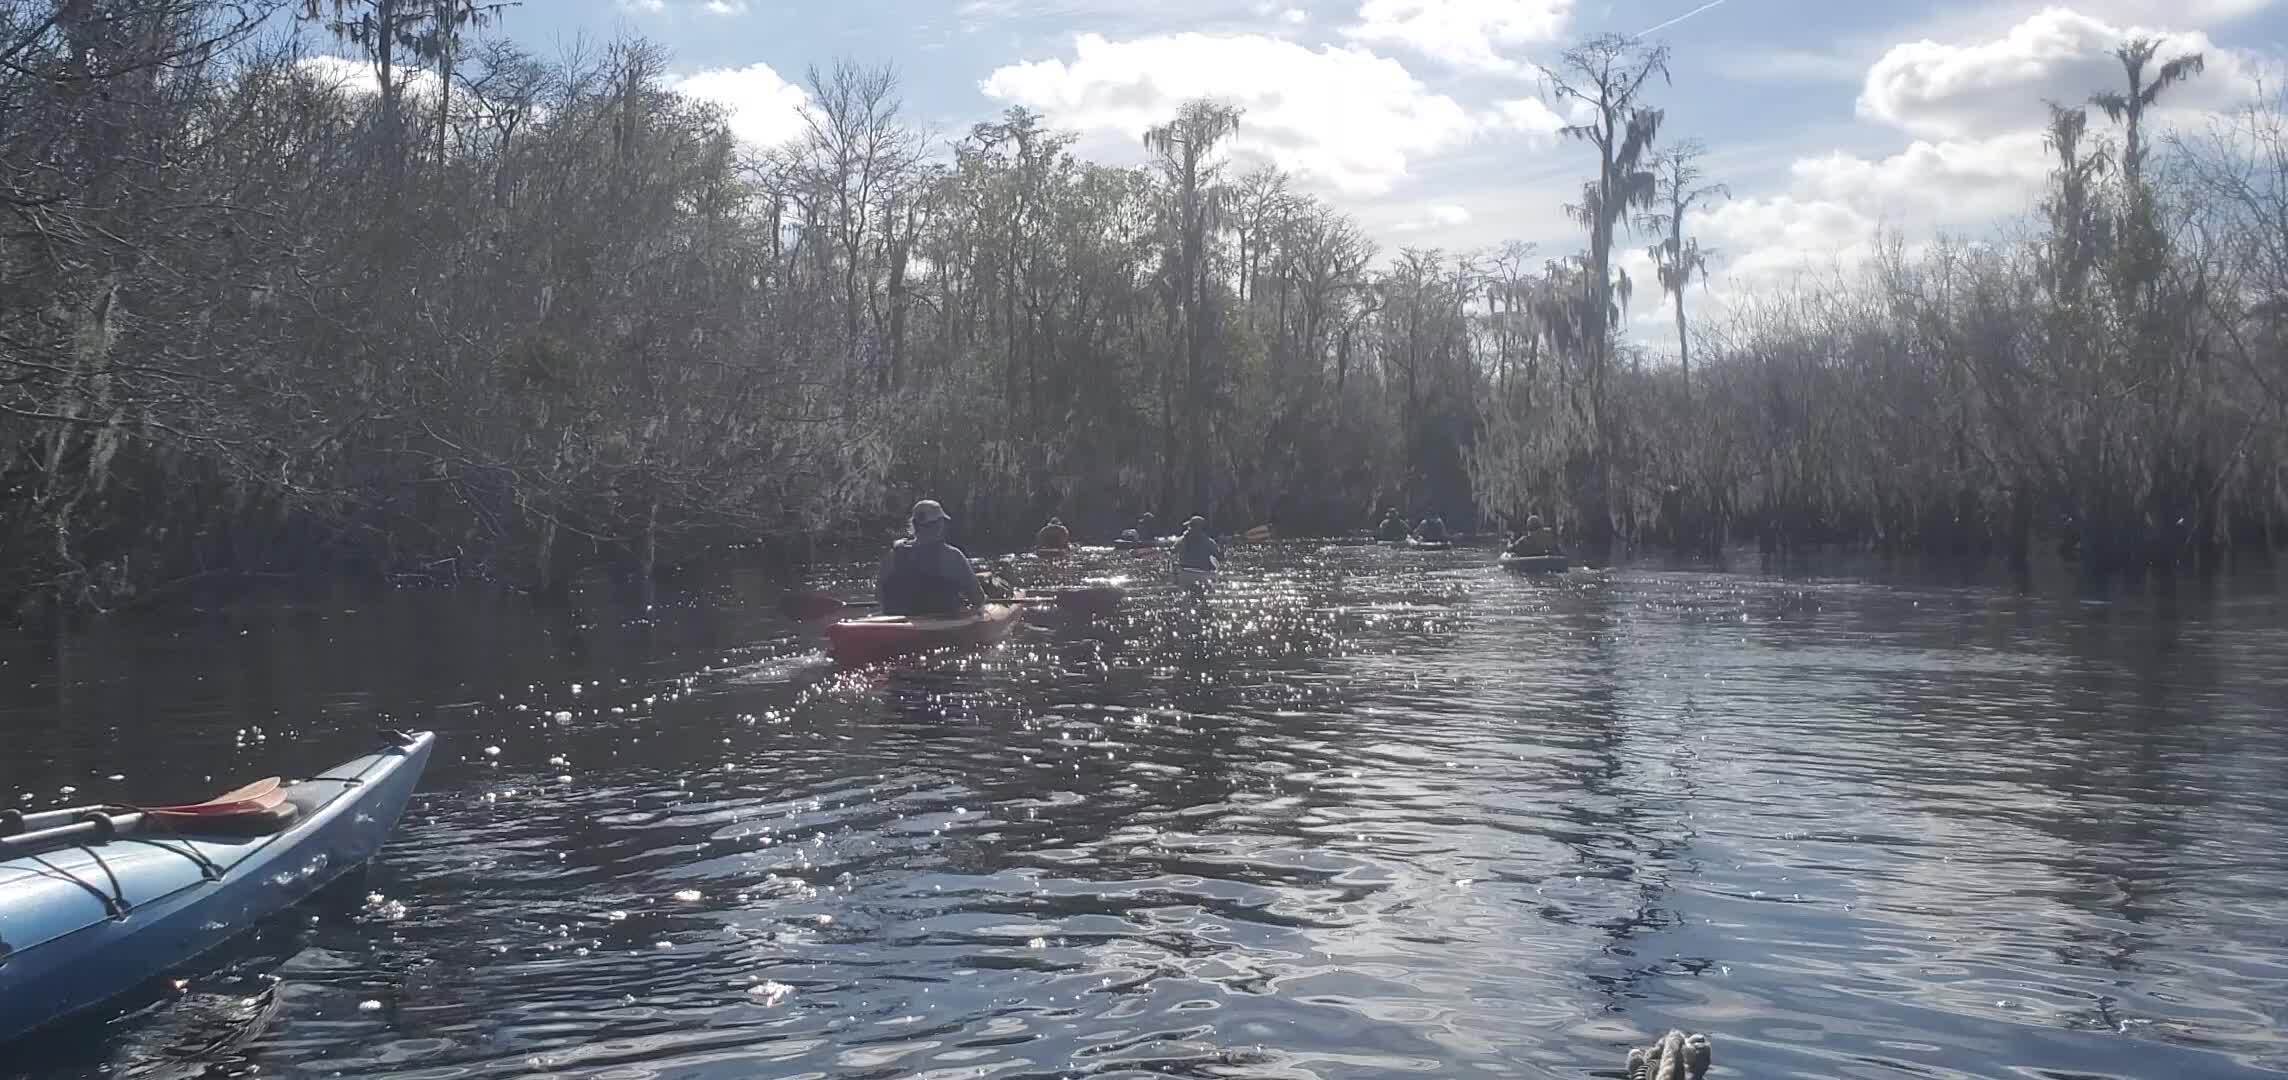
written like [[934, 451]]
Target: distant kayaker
[[924, 575], [1053, 536], [1147, 529], [1536, 539], [1196, 550], [1393, 527], [1431, 530]]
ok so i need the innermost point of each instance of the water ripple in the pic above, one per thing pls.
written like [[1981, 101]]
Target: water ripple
[[1355, 813]]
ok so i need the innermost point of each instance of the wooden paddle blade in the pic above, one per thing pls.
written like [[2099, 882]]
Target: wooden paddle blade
[[260, 795], [210, 811], [253, 818], [255, 790]]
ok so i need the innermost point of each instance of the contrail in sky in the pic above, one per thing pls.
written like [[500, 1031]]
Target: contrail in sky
[[1678, 19]]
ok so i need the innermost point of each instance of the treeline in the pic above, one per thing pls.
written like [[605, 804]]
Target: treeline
[[475, 314], [494, 317], [2110, 380]]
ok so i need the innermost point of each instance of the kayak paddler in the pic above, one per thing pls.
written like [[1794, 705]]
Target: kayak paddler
[[1053, 536], [924, 575], [1393, 527], [1536, 539], [1432, 530], [1147, 528], [1196, 550]]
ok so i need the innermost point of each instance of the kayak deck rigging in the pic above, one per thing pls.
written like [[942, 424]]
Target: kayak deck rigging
[[94, 903]]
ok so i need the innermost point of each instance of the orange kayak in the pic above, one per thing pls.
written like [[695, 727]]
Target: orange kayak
[[878, 637]]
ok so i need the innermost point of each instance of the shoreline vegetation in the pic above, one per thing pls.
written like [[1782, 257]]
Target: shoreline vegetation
[[468, 314]]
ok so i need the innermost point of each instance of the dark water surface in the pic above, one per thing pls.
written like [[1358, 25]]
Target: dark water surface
[[1360, 814]]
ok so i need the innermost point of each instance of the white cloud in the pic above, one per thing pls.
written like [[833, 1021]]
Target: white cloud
[[1295, 16], [2186, 13], [1524, 114], [357, 76], [648, 7], [1836, 206], [1434, 216], [1340, 116], [1648, 312], [1933, 184], [1983, 88], [1995, 18], [1764, 243], [764, 109], [1467, 34], [726, 7], [1969, 100], [1780, 226]]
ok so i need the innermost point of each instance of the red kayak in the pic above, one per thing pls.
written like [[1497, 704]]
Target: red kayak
[[878, 637]]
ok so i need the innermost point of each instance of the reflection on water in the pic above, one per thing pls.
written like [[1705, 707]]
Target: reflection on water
[[1355, 813]]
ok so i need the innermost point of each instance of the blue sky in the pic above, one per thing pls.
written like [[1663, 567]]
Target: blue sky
[[1832, 121]]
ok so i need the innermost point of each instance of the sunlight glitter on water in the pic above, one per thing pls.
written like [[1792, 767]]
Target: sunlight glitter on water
[[1353, 813]]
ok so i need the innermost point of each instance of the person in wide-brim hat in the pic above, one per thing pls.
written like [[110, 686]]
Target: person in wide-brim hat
[[925, 575]]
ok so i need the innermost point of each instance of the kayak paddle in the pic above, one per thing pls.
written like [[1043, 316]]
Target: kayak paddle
[[813, 605], [99, 823]]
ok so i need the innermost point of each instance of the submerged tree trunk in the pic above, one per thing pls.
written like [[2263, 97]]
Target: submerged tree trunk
[[545, 579], [2021, 539], [647, 551]]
